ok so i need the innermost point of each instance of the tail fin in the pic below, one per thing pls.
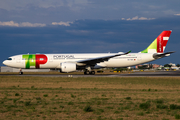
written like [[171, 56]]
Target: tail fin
[[159, 44]]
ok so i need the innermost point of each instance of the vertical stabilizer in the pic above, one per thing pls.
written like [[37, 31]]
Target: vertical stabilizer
[[159, 44]]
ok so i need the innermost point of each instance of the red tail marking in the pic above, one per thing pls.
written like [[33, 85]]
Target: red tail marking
[[162, 43]]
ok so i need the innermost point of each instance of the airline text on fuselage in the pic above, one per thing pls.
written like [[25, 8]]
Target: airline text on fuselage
[[63, 56]]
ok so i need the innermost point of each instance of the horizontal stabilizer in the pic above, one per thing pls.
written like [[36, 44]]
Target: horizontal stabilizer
[[161, 55]]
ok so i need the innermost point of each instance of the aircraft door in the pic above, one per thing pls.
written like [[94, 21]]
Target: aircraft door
[[139, 57], [51, 59]]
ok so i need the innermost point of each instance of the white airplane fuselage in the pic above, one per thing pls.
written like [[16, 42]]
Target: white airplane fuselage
[[54, 60]]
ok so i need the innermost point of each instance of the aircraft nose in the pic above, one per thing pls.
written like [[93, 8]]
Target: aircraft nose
[[5, 62]]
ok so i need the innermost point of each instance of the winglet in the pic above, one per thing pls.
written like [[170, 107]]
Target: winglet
[[127, 52]]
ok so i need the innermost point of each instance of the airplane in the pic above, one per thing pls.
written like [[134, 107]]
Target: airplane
[[88, 62]]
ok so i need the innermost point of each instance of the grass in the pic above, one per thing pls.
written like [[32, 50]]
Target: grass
[[88, 108], [145, 105], [89, 98]]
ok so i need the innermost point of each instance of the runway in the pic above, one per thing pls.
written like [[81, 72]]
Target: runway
[[135, 74]]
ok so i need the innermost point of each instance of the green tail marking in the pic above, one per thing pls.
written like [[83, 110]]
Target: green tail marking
[[153, 45]]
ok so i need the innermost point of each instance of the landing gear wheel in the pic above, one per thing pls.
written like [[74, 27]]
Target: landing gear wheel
[[92, 73], [20, 73], [85, 73]]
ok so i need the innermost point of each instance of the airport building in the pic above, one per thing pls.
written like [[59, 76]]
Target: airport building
[[147, 66], [10, 69]]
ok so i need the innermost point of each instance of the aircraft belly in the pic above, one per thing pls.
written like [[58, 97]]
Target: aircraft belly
[[51, 64]]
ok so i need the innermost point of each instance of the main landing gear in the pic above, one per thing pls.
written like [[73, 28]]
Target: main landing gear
[[89, 72], [20, 72]]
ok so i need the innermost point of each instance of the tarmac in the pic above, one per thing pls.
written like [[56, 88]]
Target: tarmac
[[135, 74]]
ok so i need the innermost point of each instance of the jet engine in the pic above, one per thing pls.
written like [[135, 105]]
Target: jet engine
[[68, 67]]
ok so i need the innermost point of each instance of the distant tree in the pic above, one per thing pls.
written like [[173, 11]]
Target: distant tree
[[178, 65], [143, 67], [167, 65], [150, 66], [121, 69]]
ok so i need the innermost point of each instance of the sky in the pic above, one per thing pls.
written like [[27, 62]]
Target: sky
[[87, 26]]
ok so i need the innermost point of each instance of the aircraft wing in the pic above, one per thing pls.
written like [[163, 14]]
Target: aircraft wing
[[93, 61], [156, 55]]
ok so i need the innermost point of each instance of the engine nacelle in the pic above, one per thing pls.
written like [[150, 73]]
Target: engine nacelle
[[68, 67]]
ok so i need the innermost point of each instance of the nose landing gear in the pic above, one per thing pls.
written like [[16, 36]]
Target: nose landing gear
[[20, 72]]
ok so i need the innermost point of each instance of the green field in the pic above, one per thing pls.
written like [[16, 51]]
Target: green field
[[97, 98]]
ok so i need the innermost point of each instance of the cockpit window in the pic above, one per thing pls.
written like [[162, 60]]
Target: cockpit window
[[9, 59]]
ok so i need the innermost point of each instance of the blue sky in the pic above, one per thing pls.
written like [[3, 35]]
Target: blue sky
[[80, 26]]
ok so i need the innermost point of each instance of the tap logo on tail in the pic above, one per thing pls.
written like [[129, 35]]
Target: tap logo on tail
[[162, 40], [159, 44]]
